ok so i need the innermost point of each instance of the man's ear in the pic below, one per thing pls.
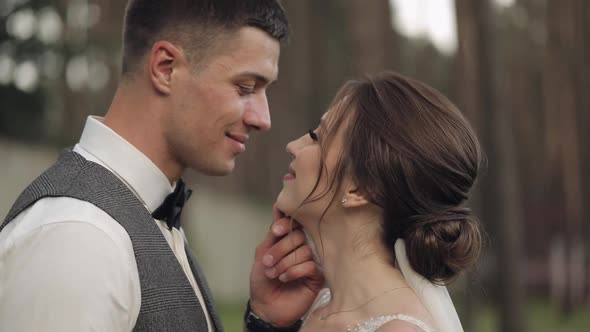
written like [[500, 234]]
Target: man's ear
[[164, 59]]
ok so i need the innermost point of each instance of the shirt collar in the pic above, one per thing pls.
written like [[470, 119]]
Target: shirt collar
[[134, 168]]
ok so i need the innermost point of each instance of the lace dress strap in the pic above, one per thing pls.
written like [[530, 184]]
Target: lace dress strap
[[372, 324], [375, 323]]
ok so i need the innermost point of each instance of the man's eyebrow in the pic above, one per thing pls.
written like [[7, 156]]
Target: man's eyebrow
[[258, 77]]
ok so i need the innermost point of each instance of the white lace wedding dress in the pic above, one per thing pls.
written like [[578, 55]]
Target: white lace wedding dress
[[374, 323]]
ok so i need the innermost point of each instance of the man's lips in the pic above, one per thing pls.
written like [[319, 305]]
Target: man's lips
[[238, 142], [242, 138]]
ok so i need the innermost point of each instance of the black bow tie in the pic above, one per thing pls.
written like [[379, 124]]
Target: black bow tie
[[172, 207]]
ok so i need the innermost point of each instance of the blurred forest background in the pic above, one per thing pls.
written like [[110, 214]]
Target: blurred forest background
[[519, 70]]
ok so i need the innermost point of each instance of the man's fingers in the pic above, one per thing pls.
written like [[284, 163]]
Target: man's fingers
[[300, 255], [278, 229], [300, 271], [283, 247], [276, 213], [284, 226]]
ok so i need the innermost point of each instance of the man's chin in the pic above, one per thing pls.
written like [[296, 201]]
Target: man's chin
[[218, 170]]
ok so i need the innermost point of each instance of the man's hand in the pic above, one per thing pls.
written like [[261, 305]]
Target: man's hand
[[285, 280]]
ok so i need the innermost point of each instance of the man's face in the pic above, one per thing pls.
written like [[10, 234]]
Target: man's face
[[214, 110]]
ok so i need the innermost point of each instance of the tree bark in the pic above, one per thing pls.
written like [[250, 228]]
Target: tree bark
[[563, 99], [525, 62], [499, 197], [372, 36]]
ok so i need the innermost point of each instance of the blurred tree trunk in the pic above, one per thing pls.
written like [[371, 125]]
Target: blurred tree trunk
[[67, 125], [563, 99], [373, 37], [583, 61], [579, 247], [467, 99], [426, 64], [97, 44], [107, 34], [524, 59], [499, 199], [584, 112], [332, 59]]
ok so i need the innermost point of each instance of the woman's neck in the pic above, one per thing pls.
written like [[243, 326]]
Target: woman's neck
[[355, 264]]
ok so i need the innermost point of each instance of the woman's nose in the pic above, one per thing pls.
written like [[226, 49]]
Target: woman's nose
[[290, 148]]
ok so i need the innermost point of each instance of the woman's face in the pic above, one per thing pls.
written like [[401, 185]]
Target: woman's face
[[304, 171]]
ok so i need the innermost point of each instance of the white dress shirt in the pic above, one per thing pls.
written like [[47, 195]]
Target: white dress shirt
[[66, 265]]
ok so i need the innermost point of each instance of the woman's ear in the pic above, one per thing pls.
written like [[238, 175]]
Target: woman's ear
[[164, 59], [353, 197]]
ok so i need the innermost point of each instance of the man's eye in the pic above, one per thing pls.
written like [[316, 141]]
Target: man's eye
[[246, 90], [313, 135]]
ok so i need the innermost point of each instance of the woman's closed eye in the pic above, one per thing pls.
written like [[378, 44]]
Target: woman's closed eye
[[313, 135]]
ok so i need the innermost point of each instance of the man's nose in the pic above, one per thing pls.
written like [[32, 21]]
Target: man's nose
[[258, 117]]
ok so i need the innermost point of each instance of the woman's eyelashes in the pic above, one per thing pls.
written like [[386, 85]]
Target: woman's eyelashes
[[313, 135]]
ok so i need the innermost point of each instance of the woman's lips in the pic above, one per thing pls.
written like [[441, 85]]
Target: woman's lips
[[290, 175]]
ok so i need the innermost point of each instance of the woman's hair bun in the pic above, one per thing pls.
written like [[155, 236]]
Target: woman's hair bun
[[442, 244]]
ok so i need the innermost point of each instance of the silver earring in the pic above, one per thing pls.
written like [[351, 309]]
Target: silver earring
[[344, 200]]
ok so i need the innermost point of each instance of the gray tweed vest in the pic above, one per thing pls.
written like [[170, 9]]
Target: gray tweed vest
[[168, 302]]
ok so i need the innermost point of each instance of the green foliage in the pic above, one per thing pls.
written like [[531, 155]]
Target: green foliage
[[542, 316], [232, 316]]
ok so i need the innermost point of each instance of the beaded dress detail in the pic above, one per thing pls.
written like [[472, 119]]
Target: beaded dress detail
[[374, 323]]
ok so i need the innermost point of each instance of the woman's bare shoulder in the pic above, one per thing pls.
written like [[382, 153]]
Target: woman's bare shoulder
[[399, 326]]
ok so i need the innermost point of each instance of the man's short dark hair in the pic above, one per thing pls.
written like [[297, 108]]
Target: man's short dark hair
[[194, 24]]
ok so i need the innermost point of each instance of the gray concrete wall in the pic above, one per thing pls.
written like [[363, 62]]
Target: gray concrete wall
[[19, 165]]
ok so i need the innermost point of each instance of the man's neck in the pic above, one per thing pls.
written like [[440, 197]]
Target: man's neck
[[136, 119]]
